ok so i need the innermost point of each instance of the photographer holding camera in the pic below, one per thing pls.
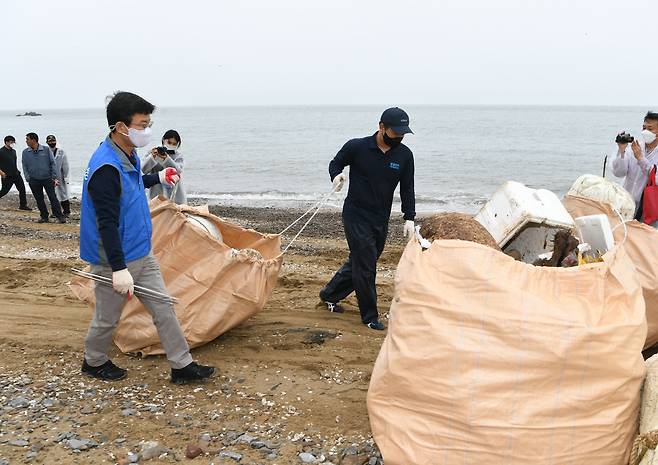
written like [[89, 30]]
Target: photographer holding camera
[[166, 156], [635, 159]]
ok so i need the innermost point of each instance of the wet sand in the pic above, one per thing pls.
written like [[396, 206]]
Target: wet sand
[[294, 374]]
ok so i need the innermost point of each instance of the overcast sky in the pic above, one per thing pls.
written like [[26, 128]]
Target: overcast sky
[[72, 53]]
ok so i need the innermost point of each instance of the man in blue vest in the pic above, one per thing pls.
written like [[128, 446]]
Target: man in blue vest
[[115, 238]]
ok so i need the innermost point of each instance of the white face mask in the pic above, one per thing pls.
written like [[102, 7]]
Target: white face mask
[[171, 147], [648, 136], [139, 137]]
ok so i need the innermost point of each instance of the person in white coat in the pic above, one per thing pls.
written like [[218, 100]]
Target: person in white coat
[[62, 171], [166, 156], [634, 161]]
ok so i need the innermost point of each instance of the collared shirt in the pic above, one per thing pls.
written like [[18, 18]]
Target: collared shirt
[[38, 164], [8, 161], [374, 176], [636, 173]]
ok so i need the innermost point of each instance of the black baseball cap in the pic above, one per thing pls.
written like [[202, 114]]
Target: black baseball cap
[[396, 119]]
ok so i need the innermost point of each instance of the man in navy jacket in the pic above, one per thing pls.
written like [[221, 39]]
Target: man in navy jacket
[[378, 163]]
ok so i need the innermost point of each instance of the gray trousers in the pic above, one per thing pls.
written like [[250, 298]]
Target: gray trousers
[[109, 305]]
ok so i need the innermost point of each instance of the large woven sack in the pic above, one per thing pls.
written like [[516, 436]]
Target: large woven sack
[[608, 192], [649, 415], [642, 248], [219, 284], [493, 361]]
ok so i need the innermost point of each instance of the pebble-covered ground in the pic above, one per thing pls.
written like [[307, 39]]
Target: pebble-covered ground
[[291, 383]]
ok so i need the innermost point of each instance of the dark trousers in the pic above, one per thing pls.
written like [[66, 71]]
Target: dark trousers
[[66, 207], [366, 242], [37, 187], [17, 180]]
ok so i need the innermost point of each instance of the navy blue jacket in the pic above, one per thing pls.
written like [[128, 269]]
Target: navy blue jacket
[[374, 176]]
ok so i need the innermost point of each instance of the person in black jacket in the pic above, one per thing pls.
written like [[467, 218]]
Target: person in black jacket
[[10, 174], [378, 163]]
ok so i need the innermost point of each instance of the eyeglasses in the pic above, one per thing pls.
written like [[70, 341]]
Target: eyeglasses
[[145, 125]]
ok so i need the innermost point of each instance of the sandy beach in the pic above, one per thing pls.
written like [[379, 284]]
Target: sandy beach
[[293, 378]]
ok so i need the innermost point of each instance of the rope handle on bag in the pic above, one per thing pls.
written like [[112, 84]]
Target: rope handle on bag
[[641, 445], [317, 207]]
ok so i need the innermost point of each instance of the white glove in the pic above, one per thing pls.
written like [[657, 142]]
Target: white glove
[[339, 180], [409, 229], [168, 176], [122, 282]]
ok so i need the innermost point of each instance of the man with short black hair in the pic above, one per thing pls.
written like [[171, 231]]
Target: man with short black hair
[[115, 238], [377, 164], [39, 170], [10, 174]]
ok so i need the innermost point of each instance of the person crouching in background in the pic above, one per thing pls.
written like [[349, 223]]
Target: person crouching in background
[[166, 156]]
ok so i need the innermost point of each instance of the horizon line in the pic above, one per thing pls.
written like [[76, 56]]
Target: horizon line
[[302, 105]]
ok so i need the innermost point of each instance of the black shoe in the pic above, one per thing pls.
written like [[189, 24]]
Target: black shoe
[[108, 371], [25, 207], [61, 219], [67, 215], [378, 325], [334, 307], [192, 372], [43, 220]]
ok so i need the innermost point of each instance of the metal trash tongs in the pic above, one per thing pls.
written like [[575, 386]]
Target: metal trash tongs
[[139, 290]]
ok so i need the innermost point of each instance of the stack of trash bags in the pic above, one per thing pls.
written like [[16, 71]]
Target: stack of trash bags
[[221, 274], [489, 359]]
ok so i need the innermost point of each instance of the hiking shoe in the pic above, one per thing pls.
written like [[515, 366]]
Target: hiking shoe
[[25, 207], [334, 307], [108, 371], [192, 372], [378, 325], [61, 219], [43, 220]]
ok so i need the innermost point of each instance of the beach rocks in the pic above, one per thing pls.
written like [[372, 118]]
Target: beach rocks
[[151, 450], [19, 443], [193, 451], [305, 457], [81, 444], [230, 455]]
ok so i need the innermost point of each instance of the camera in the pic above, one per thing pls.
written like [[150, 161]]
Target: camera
[[624, 138], [164, 151]]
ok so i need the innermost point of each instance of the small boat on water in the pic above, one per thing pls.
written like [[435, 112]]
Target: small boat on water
[[30, 113]]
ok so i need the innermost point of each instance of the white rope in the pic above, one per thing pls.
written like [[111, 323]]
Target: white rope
[[317, 207]]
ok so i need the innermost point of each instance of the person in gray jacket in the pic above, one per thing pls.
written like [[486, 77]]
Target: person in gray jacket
[[39, 171], [167, 156], [62, 172]]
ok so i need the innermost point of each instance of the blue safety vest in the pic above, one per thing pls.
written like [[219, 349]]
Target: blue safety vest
[[134, 216]]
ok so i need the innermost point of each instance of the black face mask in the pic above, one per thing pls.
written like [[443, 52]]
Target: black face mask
[[52, 145], [392, 142]]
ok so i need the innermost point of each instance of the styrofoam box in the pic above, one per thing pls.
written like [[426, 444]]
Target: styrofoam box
[[524, 219], [596, 231]]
